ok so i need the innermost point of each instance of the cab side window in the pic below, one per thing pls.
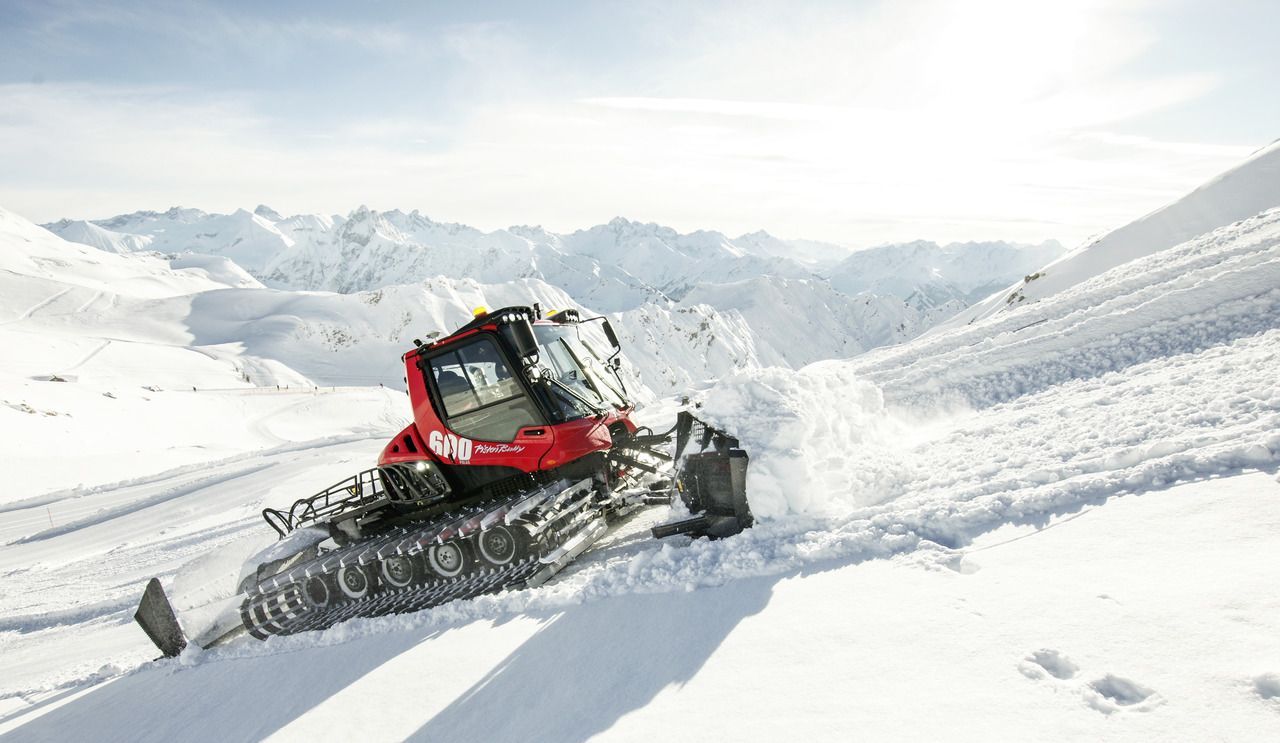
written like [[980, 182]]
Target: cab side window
[[481, 396]]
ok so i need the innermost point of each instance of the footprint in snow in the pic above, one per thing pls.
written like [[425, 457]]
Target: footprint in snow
[[1113, 693], [1050, 661], [1267, 686]]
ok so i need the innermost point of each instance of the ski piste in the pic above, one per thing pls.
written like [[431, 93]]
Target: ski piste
[[448, 515]]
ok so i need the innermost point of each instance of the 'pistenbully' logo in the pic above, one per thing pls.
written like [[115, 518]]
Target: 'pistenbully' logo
[[455, 447]]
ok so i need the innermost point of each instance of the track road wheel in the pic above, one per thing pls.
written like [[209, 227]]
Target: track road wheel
[[316, 591], [354, 582], [501, 545], [449, 559], [400, 570]]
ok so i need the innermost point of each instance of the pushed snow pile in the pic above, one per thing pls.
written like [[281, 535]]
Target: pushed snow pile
[[1197, 325], [816, 437]]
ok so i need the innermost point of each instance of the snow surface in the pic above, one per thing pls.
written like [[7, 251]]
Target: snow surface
[[1054, 523]]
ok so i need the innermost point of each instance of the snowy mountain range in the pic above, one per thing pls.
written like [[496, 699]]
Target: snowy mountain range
[[928, 274], [730, 303]]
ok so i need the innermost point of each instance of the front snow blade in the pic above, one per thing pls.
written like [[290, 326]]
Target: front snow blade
[[157, 619], [712, 482]]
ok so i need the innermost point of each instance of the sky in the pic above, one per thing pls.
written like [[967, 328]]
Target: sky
[[852, 122]]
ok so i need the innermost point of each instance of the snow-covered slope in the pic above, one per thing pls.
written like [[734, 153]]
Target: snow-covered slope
[[88, 233], [813, 253], [113, 367], [799, 321], [1241, 192], [958, 271], [248, 238], [32, 258], [970, 535], [1149, 333]]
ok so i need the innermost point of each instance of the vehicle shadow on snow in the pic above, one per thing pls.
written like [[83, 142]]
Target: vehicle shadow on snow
[[592, 664], [222, 699], [585, 668]]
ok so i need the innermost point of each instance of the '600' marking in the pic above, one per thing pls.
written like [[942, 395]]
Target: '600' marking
[[450, 446]]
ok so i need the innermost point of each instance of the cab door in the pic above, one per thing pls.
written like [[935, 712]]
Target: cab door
[[487, 413]]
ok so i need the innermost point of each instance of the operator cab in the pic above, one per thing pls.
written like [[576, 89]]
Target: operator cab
[[512, 394], [481, 396], [493, 382]]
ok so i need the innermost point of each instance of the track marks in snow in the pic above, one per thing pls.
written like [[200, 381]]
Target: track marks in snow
[[187, 469], [1113, 693], [80, 614], [1107, 694], [84, 307], [107, 514], [1047, 660], [33, 309], [90, 355], [1267, 686]]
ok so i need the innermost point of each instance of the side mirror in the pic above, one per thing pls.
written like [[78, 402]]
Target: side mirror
[[522, 336], [608, 333]]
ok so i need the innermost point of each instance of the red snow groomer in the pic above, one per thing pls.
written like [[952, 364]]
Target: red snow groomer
[[521, 454]]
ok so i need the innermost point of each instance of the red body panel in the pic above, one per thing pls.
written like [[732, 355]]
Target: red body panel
[[534, 448]]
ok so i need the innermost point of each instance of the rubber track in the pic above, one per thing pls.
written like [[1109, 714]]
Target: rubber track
[[293, 618], [278, 606]]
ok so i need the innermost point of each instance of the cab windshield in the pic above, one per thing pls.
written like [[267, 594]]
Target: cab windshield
[[578, 364]]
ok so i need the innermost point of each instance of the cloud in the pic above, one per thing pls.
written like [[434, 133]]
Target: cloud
[[856, 124], [757, 109], [1237, 152]]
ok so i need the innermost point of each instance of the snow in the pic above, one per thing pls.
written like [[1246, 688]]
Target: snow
[[1239, 193], [887, 648], [961, 271], [1180, 347], [1054, 522], [88, 233]]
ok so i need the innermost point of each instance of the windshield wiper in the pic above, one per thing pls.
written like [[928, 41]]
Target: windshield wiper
[[568, 390]]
